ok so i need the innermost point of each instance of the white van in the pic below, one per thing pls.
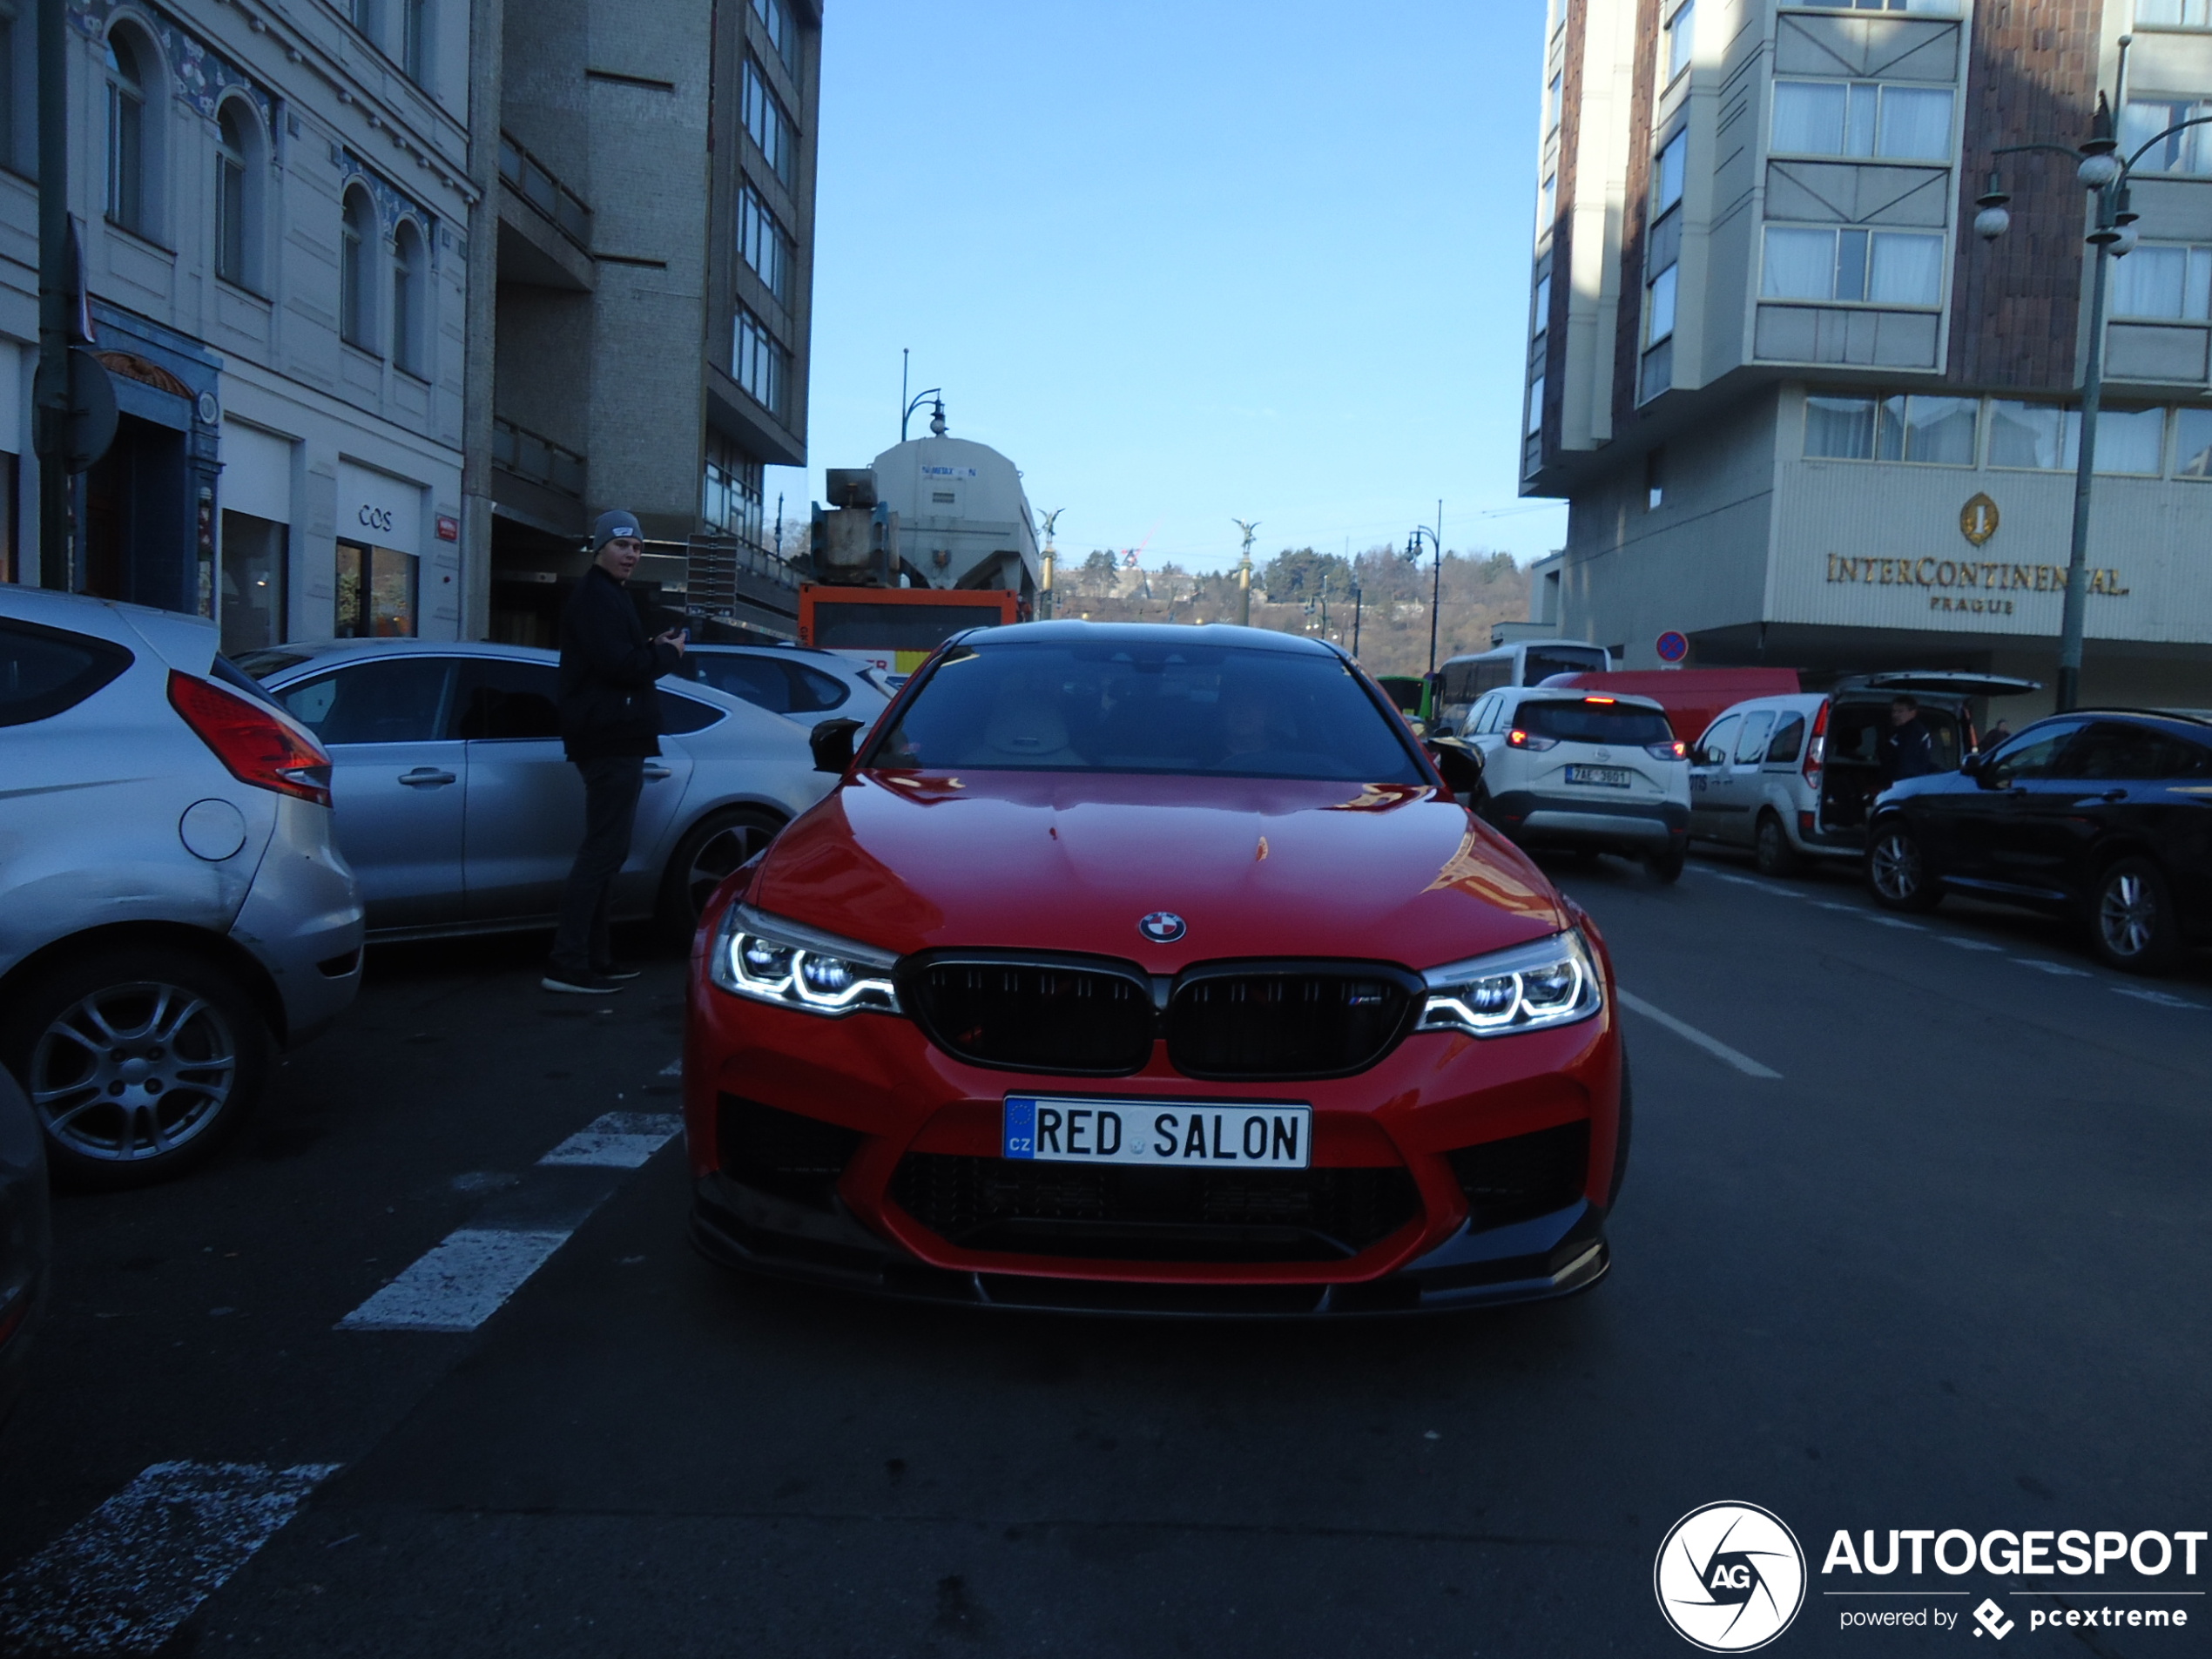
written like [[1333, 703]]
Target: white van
[[1527, 662], [1791, 777]]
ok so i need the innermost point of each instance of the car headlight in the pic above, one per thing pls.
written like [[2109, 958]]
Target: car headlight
[[796, 967], [1550, 981]]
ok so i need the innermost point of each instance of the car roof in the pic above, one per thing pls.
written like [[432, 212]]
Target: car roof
[[324, 652], [2193, 722], [1148, 633]]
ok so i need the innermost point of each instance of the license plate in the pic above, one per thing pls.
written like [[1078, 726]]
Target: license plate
[[1610, 776], [1053, 1130]]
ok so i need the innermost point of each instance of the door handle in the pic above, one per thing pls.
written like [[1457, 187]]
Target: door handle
[[655, 773], [425, 778], [2111, 795]]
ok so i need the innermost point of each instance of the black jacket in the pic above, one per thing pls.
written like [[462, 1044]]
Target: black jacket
[[1909, 751], [608, 667]]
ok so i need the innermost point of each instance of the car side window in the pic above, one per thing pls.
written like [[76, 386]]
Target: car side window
[[1752, 744], [507, 700], [45, 671], [1788, 742], [754, 678], [2117, 750], [1720, 737], [812, 691], [2027, 757], [681, 714], [397, 700]]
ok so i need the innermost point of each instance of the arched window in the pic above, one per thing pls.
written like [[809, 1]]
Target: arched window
[[237, 194], [356, 294], [128, 139], [411, 301]]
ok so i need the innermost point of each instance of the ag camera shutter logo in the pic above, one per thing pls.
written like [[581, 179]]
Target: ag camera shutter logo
[[1730, 1577]]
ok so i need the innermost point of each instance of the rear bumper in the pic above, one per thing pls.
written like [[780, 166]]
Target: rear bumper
[[1541, 820], [1550, 1256], [302, 921]]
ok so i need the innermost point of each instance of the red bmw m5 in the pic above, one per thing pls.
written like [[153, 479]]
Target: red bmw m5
[[1152, 970]]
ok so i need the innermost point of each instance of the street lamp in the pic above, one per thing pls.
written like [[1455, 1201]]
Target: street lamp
[[1355, 621], [2105, 175], [936, 414], [1435, 534]]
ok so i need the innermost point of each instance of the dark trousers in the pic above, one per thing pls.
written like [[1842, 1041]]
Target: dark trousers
[[611, 785]]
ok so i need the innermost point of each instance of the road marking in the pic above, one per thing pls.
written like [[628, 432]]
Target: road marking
[[673, 1068], [124, 1578], [1847, 909], [1893, 921], [1713, 1046], [1752, 881], [2052, 967], [459, 1284], [1967, 944], [2164, 999], [617, 1141]]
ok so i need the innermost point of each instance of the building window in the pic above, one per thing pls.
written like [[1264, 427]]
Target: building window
[[1877, 267], [2173, 14], [376, 591], [1547, 205], [1862, 119], [410, 300], [231, 242], [760, 363], [2192, 443], [357, 238], [1535, 423], [414, 46], [1934, 431], [362, 13], [731, 505], [762, 244], [1925, 8], [1668, 173], [770, 127], [2187, 151], [2045, 437], [1540, 298], [126, 132], [1659, 306], [18, 86], [2160, 279], [1552, 93], [1681, 29], [783, 33]]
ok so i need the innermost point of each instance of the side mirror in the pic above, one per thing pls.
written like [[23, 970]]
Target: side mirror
[[833, 745], [1972, 763], [1459, 763]]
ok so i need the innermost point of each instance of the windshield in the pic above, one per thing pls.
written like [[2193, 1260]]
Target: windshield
[[1119, 705], [1579, 722], [1540, 663]]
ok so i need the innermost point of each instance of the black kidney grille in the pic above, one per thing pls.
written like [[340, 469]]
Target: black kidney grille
[[1524, 1176], [1129, 1213], [1034, 1017], [1313, 1023]]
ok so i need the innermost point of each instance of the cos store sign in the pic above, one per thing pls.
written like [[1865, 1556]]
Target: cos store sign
[[380, 510]]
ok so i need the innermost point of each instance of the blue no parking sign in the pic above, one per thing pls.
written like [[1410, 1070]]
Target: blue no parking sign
[[1673, 647]]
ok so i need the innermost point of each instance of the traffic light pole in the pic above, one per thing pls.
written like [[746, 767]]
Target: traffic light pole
[[52, 415]]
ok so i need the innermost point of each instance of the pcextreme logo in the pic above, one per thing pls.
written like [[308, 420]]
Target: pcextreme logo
[[1730, 1577]]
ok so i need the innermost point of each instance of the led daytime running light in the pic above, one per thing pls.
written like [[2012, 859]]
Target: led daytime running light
[[758, 956], [1549, 982]]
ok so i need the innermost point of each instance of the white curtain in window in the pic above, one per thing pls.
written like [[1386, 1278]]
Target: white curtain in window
[[1809, 117], [1840, 427], [1916, 123], [2151, 282], [1800, 264], [1905, 270], [2024, 435], [2193, 443], [2127, 440]]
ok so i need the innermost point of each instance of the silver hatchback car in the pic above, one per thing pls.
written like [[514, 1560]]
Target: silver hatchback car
[[458, 808], [172, 905]]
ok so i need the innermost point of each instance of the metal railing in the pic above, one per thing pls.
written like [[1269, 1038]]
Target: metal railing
[[535, 459], [719, 568], [537, 184]]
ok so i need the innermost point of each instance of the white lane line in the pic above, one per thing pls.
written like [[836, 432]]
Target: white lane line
[[124, 1578], [1713, 1046], [1751, 882], [459, 1284], [1893, 921], [2059, 968], [2164, 999], [1955, 940], [1847, 909], [617, 1141], [673, 1068]]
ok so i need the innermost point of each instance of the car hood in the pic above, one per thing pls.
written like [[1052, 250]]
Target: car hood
[[1066, 861]]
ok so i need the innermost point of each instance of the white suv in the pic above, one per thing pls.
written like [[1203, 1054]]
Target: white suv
[[1584, 772]]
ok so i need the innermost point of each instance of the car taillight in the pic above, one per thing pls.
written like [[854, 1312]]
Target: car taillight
[[1817, 747], [1675, 750], [257, 745], [1518, 739]]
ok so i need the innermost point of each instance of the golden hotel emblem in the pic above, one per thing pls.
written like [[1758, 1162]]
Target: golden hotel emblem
[[1978, 520]]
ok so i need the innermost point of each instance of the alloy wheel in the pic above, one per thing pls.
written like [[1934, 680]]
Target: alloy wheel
[[2128, 914], [133, 1071], [1895, 867], [726, 849]]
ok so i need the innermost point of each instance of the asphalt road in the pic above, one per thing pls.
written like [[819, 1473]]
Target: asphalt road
[[1944, 1269]]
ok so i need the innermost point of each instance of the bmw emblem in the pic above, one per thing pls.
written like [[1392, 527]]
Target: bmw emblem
[[1163, 927]]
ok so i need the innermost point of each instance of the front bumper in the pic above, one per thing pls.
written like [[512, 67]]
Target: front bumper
[[1427, 1117], [1575, 820]]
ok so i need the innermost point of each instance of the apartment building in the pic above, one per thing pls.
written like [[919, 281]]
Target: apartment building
[[1800, 411]]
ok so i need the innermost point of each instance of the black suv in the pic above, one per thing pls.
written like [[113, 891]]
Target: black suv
[[2103, 813]]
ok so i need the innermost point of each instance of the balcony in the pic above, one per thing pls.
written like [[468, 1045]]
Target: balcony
[[544, 227], [534, 182], [537, 480]]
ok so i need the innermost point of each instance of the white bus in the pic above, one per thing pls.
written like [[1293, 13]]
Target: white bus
[[1527, 662]]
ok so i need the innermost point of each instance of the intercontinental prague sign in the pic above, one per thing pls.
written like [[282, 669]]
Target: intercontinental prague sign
[[1985, 587]]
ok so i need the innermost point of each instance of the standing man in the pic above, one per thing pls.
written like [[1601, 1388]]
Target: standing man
[[1908, 751], [609, 722]]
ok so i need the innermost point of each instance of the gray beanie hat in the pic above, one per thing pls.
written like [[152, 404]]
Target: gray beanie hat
[[612, 527]]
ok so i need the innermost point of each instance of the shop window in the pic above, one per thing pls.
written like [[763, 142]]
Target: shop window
[[253, 603], [376, 592]]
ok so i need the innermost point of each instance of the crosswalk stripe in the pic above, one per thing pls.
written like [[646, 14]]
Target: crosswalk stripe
[[124, 1578], [616, 1141], [459, 1284]]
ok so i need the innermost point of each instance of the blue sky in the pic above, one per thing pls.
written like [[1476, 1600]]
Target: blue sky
[[1187, 262]]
